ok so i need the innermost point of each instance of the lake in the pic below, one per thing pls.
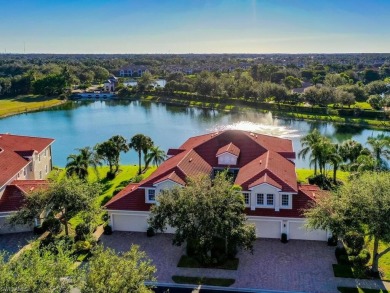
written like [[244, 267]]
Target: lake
[[81, 124]]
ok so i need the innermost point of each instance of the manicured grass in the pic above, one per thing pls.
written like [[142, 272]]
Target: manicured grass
[[190, 262], [109, 186], [203, 281], [362, 105], [303, 174], [360, 290], [24, 104]]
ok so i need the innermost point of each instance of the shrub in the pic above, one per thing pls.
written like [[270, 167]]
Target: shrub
[[150, 232], [354, 241], [191, 247], [341, 255], [82, 246], [82, 230], [107, 230], [284, 238], [360, 260], [52, 225], [110, 175]]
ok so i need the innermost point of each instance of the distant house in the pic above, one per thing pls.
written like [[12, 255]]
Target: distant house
[[262, 165], [110, 84], [302, 89], [133, 71], [24, 164]]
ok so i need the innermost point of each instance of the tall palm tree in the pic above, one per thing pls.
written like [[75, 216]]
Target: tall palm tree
[[380, 149], [155, 156], [350, 150], [334, 158], [308, 143], [140, 143]]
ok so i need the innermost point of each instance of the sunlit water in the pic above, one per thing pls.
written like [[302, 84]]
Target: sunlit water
[[85, 124]]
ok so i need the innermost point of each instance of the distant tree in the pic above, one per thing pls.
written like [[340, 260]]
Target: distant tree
[[110, 272], [145, 81], [203, 212], [140, 143], [376, 87], [380, 146], [350, 150], [370, 75], [100, 73], [354, 208], [375, 102], [358, 91], [292, 82], [344, 98], [335, 80]]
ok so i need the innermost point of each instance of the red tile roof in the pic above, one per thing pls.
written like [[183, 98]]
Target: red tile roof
[[173, 177], [130, 198], [229, 148], [13, 150], [262, 158], [15, 193]]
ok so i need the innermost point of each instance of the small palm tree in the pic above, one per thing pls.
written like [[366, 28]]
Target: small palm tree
[[155, 156], [380, 149], [76, 166], [334, 158]]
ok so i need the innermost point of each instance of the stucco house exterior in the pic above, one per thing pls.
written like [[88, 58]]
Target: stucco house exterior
[[25, 163], [262, 165]]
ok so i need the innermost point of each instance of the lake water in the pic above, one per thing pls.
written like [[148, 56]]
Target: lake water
[[83, 124], [158, 82]]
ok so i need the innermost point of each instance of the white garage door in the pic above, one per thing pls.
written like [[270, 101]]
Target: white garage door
[[267, 229], [135, 223], [298, 231], [6, 228]]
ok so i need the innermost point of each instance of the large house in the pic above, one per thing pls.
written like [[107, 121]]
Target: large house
[[262, 165], [24, 164]]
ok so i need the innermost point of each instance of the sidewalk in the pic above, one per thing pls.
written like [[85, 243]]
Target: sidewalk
[[362, 283]]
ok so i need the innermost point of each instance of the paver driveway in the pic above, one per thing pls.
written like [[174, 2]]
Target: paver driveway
[[295, 266], [13, 242]]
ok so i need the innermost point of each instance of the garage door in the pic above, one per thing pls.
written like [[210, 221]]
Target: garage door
[[6, 228], [267, 229], [135, 223], [298, 231]]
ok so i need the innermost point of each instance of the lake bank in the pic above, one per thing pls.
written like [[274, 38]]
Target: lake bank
[[228, 107], [26, 104]]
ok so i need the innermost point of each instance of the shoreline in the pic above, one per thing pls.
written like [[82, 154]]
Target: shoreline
[[228, 108]]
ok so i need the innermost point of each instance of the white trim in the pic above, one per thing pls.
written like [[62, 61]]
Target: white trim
[[156, 184], [147, 200], [265, 183]]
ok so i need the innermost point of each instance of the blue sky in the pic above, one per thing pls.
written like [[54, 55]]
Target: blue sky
[[194, 26]]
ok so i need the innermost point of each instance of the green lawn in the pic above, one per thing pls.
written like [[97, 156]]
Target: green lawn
[[303, 174], [203, 281], [24, 104], [109, 186], [384, 261], [360, 290], [190, 262]]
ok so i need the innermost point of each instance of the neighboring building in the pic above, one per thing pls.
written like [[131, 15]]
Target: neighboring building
[[110, 84], [24, 164], [262, 165], [133, 70]]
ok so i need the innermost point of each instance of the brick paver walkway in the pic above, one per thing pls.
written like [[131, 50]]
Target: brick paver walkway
[[13, 242], [304, 266]]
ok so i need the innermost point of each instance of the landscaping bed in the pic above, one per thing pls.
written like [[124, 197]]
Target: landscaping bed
[[191, 262], [360, 290], [203, 281]]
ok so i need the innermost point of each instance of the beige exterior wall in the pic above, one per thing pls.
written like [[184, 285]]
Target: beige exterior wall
[[41, 164]]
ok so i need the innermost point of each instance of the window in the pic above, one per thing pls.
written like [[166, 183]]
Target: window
[[39, 158], [24, 171], [31, 167], [151, 194], [260, 198], [45, 153], [270, 199], [246, 197], [40, 174], [46, 169], [285, 200]]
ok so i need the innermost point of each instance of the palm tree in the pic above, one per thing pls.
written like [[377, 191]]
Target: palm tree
[[155, 156], [380, 149], [76, 166], [140, 143], [334, 158], [350, 150], [308, 143]]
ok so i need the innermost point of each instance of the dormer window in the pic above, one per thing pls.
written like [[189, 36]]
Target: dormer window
[[228, 155]]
